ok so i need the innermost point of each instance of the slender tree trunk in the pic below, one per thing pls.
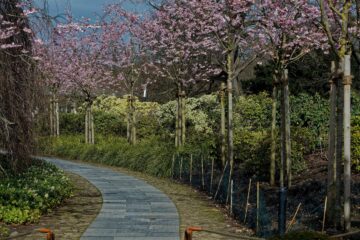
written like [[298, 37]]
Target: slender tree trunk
[[180, 118], [285, 171], [347, 143], [92, 129], [183, 117], [331, 182], [51, 115], [89, 125], [339, 145], [128, 120], [283, 149], [177, 123], [222, 127], [54, 116], [128, 127], [57, 125], [133, 120], [230, 61], [273, 133], [86, 125], [238, 90], [287, 128]]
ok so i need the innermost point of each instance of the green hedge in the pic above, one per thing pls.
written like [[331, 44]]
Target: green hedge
[[252, 121], [355, 142], [23, 198], [151, 155]]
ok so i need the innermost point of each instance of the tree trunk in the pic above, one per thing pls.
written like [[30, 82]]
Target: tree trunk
[[347, 143], [331, 181], [339, 145], [133, 120], [177, 123], [183, 117], [282, 136], [51, 115], [86, 125], [92, 129], [128, 121], [179, 116], [57, 119], [89, 125], [273, 134], [285, 133], [222, 125], [230, 61], [287, 128]]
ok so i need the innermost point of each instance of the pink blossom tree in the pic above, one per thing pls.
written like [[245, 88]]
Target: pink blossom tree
[[49, 62], [287, 31], [83, 68], [182, 50], [126, 56], [339, 23]]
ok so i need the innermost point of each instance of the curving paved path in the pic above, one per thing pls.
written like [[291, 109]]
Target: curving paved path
[[132, 209]]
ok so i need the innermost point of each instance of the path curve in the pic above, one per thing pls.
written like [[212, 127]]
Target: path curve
[[131, 210]]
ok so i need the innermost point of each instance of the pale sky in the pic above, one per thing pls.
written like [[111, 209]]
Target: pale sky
[[88, 8]]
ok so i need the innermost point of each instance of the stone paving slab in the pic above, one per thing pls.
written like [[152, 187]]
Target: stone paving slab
[[131, 210]]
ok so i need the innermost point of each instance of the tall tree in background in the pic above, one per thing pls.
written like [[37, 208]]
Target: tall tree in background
[[180, 46], [83, 67], [122, 33], [287, 33], [52, 79], [336, 23], [18, 84]]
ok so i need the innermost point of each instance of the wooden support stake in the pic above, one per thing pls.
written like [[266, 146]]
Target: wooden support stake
[[202, 171], [324, 215], [231, 197], [247, 201], [291, 223], [221, 178], [257, 207], [191, 163], [181, 166], [212, 175], [172, 166]]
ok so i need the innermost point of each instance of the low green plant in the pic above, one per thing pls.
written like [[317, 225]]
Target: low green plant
[[355, 142], [150, 155], [24, 197]]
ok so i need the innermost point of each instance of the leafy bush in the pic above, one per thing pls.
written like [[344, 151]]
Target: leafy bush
[[23, 198], [253, 112], [72, 123], [355, 142], [201, 116], [110, 118]]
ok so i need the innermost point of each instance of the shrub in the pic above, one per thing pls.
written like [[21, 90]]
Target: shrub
[[72, 123], [151, 155], [23, 198], [355, 142]]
